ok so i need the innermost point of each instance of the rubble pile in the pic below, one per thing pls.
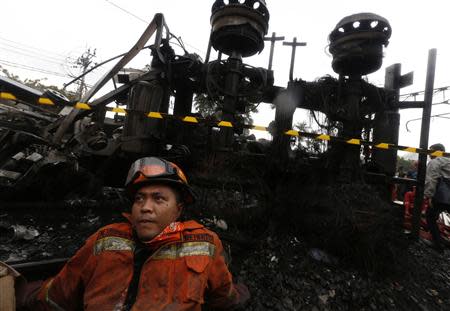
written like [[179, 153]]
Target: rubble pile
[[348, 220], [304, 245], [285, 273]]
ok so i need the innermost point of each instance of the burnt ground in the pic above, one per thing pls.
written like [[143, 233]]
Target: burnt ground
[[297, 242], [282, 270]]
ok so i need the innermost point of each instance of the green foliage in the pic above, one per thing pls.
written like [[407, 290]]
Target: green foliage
[[308, 144], [210, 107], [206, 106], [405, 165]]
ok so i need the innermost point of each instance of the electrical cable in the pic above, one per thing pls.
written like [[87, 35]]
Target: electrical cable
[[432, 116], [146, 22], [34, 49], [435, 90], [31, 68], [128, 12], [98, 65], [180, 42], [30, 55]]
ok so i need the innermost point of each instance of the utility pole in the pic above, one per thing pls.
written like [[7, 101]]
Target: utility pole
[[84, 62], [272, 40], [294, 44]]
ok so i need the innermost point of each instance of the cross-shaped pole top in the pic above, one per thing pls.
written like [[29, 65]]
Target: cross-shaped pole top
[[272, 40], [294, 45]]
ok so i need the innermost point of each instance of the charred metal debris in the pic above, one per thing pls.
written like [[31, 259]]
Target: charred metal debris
[[54, 150]]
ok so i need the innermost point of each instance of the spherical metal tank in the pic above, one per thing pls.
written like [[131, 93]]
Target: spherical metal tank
[[239, 26], [356, 43]]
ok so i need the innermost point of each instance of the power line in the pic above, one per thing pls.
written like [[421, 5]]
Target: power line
[[128, 12], [34, 52], [30, 55], [146, 22], [31, 68], [34, 49], [439, 89]]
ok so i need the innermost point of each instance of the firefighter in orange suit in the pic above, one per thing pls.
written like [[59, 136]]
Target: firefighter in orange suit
[[151, 262]]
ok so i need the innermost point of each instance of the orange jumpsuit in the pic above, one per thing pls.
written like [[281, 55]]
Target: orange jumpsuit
[[182, 272]]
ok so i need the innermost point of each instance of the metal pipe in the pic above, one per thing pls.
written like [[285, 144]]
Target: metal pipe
[[232, 80], [208, 50], [424, 135]]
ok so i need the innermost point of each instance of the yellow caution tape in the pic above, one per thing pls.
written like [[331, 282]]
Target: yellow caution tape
[[354, 141], [190, 119], [5, 95], [292, 133], [382, 146], [155, 115], [119, 110], [437, 153], [410, 149], [323, 137], [45, 101], [259, 128], [82, 106], [225, 124]]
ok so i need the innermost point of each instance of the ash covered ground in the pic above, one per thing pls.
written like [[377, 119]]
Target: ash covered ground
[[283, 270], [296, 243]]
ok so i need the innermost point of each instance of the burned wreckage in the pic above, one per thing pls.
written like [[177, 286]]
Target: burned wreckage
[[55, 152]]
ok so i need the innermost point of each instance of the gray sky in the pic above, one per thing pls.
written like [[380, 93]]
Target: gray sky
[[46, 34]]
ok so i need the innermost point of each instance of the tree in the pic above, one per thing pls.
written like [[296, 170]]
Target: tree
[[405, 165], [210, 107], [308, 144]]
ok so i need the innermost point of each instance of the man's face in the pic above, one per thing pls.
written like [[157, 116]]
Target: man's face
[[154, 208]]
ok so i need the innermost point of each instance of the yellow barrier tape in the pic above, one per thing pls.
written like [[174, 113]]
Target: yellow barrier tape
[[45, 101], [354, 141], [437, 153], [119, 110], [382, 146], [259, 128], [323, 137], [292, 133], [190, 119], [4, 95], [155, 115], [410, 149], [225, 124], [82, 106]]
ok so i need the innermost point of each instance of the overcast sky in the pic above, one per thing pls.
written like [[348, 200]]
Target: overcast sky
[[45, 35]]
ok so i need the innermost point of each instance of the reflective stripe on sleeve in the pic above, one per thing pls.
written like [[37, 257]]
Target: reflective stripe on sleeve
[[185, 249], [113, 244]]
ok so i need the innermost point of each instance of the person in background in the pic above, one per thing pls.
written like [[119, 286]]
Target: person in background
[[412, 173], [437, 168]]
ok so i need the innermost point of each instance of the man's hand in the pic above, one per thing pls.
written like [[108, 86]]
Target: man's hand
[[244, 293], [28, 293], [428, 201]]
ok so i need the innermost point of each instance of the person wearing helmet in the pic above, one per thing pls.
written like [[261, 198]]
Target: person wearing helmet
[[438, 174], [151, 262]]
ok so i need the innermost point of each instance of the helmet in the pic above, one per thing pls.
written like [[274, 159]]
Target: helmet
[[155, 170], [439, 147]]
